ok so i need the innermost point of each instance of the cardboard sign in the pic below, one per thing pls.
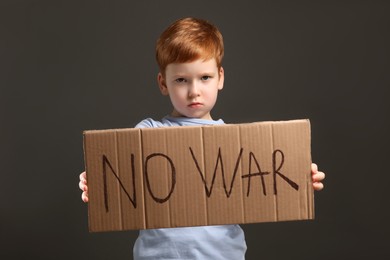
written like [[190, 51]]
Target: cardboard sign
[[197, 176]]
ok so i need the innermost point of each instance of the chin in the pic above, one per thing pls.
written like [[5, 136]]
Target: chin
[[196, 114]]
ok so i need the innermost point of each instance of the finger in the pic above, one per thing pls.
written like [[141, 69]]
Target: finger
[[83, 186], [318, 186], [83, 176], [84, 196], [314, 168], [319, 176]]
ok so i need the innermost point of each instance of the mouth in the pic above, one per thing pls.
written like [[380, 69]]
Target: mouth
[[195, 104]]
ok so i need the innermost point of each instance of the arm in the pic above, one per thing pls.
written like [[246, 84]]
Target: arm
[[317, 177]]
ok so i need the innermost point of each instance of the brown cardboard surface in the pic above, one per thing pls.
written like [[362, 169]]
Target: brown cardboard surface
[[203, 175]]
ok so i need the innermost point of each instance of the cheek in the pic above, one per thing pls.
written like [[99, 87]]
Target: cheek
[[211, 94], [178, 96], [179, 93]]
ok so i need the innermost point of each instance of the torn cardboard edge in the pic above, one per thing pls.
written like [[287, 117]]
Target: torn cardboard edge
[[198, 175]]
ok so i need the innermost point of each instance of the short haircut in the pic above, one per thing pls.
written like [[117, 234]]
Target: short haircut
[[187, 40]]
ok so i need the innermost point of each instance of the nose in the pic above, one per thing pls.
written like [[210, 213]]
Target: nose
[[194, 90]]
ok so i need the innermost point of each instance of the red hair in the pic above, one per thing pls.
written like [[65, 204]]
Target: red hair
[[187, 40]]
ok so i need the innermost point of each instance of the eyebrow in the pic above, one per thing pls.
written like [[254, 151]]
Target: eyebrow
[[203, 73]]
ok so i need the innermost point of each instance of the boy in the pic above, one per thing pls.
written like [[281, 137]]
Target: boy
[[189, 54]]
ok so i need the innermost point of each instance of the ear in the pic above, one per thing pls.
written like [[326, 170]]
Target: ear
[[221, 78], [162, 85]]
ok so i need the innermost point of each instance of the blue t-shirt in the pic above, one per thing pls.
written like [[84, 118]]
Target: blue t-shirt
[[205, 242]]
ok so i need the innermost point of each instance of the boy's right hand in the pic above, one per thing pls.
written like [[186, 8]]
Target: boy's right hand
[[83, 186]]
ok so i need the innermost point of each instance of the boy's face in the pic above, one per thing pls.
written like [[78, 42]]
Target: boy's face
[[192, 87]]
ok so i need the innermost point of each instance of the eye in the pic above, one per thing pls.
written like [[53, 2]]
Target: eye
[[180, 80], [205, 78]]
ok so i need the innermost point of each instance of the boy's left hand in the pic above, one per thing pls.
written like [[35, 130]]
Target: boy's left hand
[[317, 177]]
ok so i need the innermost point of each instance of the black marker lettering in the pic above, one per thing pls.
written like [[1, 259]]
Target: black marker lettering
[[160, 200], [277, 172], [219, 161], [259, 173], [107, 162]]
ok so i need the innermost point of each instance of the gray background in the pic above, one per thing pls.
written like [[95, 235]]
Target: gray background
[[68, 66]]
